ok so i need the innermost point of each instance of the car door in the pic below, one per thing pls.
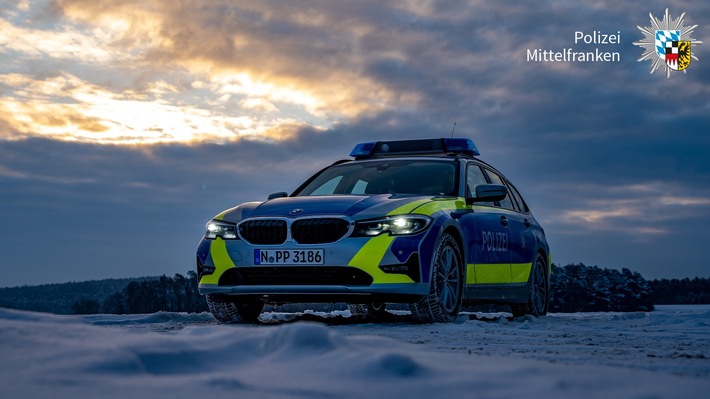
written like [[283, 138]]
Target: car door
[[489, 243], [522, 239]]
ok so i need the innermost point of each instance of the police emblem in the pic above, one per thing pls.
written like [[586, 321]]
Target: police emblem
[[664, 46], [673, 51]]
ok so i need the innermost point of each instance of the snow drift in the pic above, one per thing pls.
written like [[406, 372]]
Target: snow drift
[[48, 356]]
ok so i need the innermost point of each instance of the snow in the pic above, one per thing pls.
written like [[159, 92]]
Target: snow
[[662, 354]]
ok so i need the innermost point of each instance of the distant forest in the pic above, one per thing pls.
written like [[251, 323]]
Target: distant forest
[[113, 296], [573, 288]]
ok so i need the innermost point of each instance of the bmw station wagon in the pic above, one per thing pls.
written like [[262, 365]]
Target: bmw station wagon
[[418, 222]]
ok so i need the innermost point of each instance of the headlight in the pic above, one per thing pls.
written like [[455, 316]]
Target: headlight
[[224, 230], [395, 225]]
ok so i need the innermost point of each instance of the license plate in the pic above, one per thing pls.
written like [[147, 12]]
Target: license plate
[[288, 257]]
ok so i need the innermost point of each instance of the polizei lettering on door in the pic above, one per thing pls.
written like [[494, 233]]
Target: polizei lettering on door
[[493, 241]]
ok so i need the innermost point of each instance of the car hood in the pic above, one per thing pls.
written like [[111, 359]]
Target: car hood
[[358, 207]]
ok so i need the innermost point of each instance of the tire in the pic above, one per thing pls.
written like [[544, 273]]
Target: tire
[[539, 291], [234, 311], [367, 310], [443, 303]]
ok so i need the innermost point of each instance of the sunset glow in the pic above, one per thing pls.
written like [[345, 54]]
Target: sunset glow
[[120, 75], [154, 92]]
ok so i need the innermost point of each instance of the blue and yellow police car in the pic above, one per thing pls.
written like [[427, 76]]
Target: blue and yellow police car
[[420, 222]]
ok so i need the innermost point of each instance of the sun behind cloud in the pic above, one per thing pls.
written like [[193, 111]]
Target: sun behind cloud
[[133, 73]]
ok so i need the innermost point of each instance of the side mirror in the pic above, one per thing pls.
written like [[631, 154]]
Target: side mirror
[[280, 194], [488, 193]]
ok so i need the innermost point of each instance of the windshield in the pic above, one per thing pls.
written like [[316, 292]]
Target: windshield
[[422, 177]]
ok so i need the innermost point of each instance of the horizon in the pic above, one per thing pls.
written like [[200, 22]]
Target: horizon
[[186, 273]]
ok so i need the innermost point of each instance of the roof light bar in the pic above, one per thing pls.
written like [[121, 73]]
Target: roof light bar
[[363, 149], [415, 147]]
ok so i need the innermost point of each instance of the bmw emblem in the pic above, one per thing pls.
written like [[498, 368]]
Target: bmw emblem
[[296, 211]]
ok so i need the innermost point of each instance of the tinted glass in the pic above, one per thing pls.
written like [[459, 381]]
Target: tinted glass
[[495, 179], [421, 177], [474, 177], [521, 203]]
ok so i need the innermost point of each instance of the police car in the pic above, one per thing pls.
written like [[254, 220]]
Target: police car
[[421, 222]]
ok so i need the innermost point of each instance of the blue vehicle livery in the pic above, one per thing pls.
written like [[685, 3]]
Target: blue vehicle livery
[[422, 222]]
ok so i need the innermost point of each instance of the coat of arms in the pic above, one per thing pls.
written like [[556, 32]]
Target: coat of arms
[[664, 43]]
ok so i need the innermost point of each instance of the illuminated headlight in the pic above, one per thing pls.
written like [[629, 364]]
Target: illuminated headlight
[[224, 230], [395, 225]]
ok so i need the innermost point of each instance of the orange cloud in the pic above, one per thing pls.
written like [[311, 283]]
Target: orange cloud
[[65, 107], [155, 72], [284, 49], [60, 121]]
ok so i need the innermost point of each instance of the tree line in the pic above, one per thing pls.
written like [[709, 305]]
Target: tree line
[[686, 291], [580, 288], [169, 294], [573, 288], [61, 298]]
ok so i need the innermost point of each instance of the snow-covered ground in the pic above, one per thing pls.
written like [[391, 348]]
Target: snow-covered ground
[[662, 354]]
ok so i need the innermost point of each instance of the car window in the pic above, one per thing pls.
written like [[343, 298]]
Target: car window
[[495, 179], [518, 198], [359, 187], [328, 188], [513, 199], [475, 177], [420, 177]]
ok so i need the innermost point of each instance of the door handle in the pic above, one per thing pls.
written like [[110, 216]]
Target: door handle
[[527, 223], [504, 221]]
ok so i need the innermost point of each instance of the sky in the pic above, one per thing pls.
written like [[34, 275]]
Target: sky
[[126, 125]]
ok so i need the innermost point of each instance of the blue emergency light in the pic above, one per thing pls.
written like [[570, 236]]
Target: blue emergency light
[[415, 147]]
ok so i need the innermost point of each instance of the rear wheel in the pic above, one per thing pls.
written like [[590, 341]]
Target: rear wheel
[[539, 292], [446, 290], [228, 310], [367, 310]]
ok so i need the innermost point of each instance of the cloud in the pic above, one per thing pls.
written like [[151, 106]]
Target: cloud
[[65, 107], [684, 201], [264, 64], [71, 43], [285, 45]]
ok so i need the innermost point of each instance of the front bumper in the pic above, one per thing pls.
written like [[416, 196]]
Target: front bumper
[[380, 267], [393, 293]]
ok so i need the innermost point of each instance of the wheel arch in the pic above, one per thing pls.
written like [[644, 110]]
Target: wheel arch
[[548, 261], [444, 301], [548, 272], [454, 230]]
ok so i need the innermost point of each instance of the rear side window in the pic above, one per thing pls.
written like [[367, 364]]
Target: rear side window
[[518, 198]]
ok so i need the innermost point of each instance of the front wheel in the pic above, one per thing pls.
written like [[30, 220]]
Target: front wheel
[[228, 310], [443, 303], [538, 293]]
